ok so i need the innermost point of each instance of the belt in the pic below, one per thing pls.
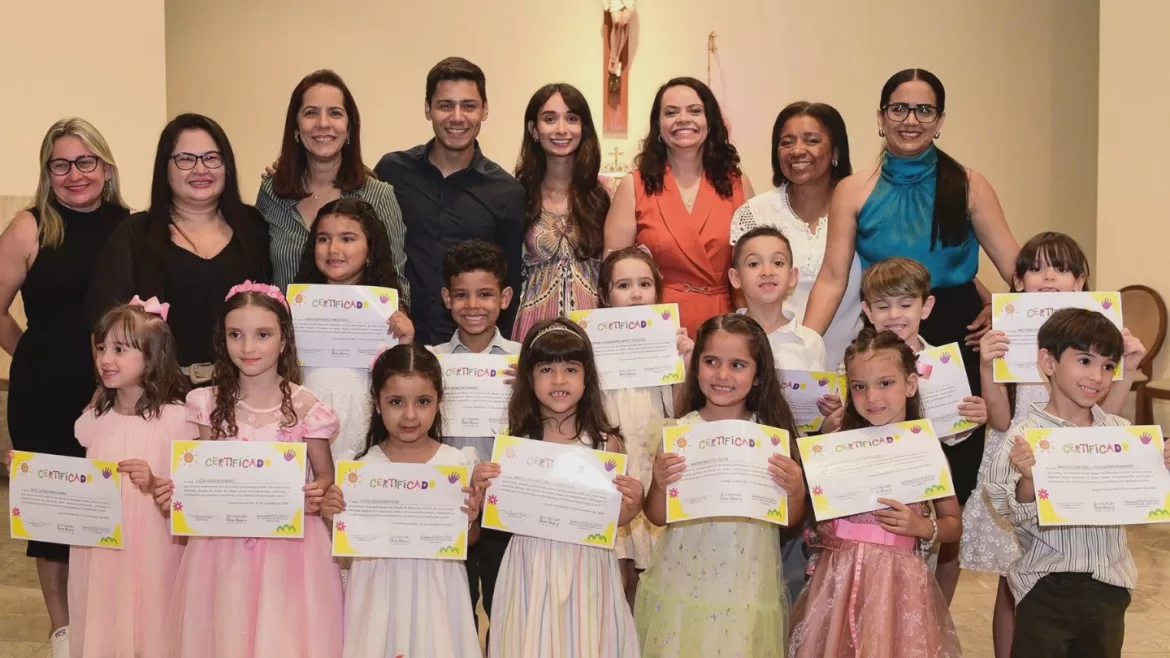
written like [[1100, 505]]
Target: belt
[[702, 290], [873, 534]]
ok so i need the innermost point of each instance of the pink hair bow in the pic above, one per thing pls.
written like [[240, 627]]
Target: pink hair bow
[[260, 288], [381, 351], [152, 306]]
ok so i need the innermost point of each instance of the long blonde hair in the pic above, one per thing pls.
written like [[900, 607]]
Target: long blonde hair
[[51, 230]]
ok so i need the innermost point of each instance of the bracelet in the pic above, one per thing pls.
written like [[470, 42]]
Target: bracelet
[[928, 545]]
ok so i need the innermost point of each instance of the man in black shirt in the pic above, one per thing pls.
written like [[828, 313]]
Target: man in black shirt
[[450, 193]]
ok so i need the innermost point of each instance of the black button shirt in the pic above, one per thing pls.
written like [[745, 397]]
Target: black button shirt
[[482, 201]]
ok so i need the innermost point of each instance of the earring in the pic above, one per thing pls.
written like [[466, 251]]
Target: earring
[[347, 139], [297, 136], [834, 162], [881, 133], [660, 138], [938, 134]]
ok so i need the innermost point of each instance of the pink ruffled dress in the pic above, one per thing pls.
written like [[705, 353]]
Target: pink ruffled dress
[[118, 599], [260, 598], [871, 596]]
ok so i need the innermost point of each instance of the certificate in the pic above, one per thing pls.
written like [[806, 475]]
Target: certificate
[[1020, 315], [475, 397], [1100, 475], [341, 326], [727, 471], [401, 510], [634, 346], [942, 385], [802, 390], [848, 471], [65, 500], [238, 489], [554, 491]]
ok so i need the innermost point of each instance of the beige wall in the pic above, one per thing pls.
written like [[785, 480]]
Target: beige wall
[[104, 61], [1133, 232], [1018, 74]]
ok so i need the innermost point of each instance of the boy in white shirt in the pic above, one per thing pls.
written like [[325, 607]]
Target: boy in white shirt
[[476, 273], [761, 267]]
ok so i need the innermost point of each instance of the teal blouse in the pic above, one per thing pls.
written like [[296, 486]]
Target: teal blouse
[[898, 217]]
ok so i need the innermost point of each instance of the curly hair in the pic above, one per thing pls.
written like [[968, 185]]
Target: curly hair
[[402, 361], [475, 255], [379, 269], [870, 341], [227, 376], [588, 200], [720, 158], [162, 382], [564, 342]]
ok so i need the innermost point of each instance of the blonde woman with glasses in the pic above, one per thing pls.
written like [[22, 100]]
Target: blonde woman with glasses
[[47, 253]]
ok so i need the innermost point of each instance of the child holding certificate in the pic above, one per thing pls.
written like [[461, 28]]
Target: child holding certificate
[[400, 606], [1071, 583], [348, 246], [558, 598], [236, 597], [871, 589], [630, 277], [714, 586], [118, 599], [1049, 262]]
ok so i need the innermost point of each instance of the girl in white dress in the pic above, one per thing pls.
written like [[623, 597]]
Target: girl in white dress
[[348, 246], [629, 277], [398, 606], [1049, 262]]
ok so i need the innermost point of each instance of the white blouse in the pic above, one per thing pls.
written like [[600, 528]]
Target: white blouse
[[808, 252]]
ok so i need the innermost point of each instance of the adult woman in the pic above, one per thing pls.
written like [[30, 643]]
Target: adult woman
[[197, 241], [560, 158], [321, 161], [680, 200], [810, 155], [921, 203], [47, 253]]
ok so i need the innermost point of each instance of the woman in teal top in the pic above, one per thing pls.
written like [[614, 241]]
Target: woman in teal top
[[921, 204]]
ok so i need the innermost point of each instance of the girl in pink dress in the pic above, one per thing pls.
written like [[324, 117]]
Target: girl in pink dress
[[259, 598], [871, 593], [118, 599]]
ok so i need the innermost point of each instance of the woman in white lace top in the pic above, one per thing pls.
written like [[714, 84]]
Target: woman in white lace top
[[810, 153]]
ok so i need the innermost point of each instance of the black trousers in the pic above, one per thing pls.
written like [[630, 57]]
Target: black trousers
[[1070, 615], [483, 566]]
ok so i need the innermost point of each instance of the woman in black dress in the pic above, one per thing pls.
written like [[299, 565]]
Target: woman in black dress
[[197, 241], [47, 253]]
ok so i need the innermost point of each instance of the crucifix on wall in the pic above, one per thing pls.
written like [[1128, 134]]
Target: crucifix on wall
[[616, 36]]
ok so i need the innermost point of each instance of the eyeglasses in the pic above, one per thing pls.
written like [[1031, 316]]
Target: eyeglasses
[[187, 161], [899, 112], [84, 164]]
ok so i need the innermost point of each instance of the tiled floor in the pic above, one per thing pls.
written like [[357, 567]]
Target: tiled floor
[[24, 626]]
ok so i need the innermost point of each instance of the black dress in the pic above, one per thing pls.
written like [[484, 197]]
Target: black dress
[[52, 374], [192, 285]]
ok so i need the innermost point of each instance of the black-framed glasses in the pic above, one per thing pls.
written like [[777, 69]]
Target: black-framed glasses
[[899, 112], [85, 164], [187, 161]]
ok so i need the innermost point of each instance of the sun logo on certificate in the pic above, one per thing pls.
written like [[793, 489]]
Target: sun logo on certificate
[[25, 468], [1009, 310], [583, 323], [681, 443], [189, 457], [1044, 445]]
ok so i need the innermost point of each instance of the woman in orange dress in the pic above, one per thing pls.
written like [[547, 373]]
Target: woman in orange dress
[[680, 200]]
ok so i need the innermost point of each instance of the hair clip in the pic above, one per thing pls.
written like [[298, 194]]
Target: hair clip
[[644, 249], [152, 306], [381, 350], [261, 288], [551, 328]]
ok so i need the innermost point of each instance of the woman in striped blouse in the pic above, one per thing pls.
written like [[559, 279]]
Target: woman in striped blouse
[[321, 161]]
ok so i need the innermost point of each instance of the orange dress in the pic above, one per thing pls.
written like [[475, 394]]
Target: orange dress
[[693, 249]]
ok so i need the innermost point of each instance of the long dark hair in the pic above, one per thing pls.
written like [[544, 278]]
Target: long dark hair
[[831, 119], [766, 399], [402, 361], [558, 341], [588, 200], [379, 270], [952, 225], [227, 376], [720, 159], [871, 340], [289, 179], [162, 381], [159, 221]]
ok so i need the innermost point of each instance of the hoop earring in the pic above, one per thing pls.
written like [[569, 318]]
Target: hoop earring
[[938, 134], [660, 138], [881, 133]]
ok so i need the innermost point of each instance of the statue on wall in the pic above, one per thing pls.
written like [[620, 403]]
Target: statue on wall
[[619, 12]]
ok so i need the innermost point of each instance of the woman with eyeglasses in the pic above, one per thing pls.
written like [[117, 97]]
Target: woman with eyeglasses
[[47, 254], [921, 203], [197, 241]]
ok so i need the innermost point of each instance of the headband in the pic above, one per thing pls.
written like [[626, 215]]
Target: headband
[[261, 288], [551, 328], [152, 306]]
